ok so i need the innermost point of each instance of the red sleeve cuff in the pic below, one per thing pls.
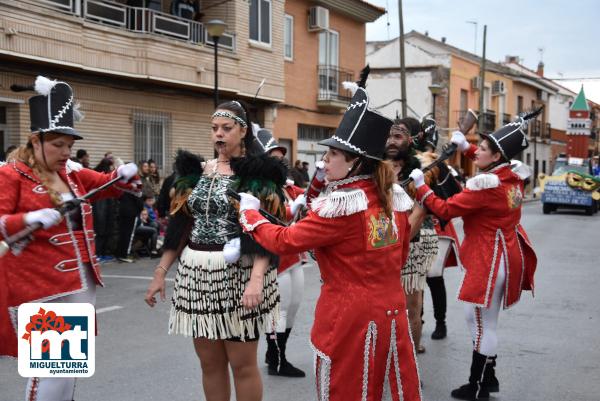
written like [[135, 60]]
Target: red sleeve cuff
[[470, 153], [11, 224], [250, 219]]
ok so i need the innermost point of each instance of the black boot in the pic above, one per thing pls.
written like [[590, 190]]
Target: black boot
[[440, 331], [438, 296], [490, 382], [474, 389], [283, 367], [271, 354]]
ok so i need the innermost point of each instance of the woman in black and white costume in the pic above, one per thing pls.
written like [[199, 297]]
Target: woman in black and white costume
[[222, 302], [290, 275]]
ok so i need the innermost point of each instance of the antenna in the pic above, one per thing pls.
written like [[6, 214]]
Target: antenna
[[541, 52]]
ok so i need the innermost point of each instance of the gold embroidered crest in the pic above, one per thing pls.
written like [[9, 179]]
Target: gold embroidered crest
[[382, 230], [515, 197]]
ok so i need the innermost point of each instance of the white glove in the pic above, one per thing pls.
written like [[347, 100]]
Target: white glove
[[46, 217], [232, 250], [298, 203], [127, 171], [458, 138], [418, 177], [320, 172], [249, 202]]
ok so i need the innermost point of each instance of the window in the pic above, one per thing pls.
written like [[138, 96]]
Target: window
[[151, 137], [328, 61], [3, 144], [260, 21], [519, 104], [288, 37], [528, 159], [464, 100], [314, 132], [328, 48], [544, 166]]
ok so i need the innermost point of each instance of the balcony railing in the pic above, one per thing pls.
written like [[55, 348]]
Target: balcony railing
[[489, 120], [330, 84], [141, 20]]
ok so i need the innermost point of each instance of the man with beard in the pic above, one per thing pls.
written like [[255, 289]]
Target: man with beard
[[404, 135]]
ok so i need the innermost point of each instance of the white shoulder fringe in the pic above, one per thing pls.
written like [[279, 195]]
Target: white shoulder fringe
[[340, 203], [483, 181], [402, 202], [73, 166], [521, 169]]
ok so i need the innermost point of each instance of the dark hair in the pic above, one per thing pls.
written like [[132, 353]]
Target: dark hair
[[105, 165], [80, 153], [240, 109], [383, 175], [413, 125]]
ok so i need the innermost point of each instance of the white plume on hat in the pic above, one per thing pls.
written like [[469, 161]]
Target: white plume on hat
[[350, 86], [43, 85]]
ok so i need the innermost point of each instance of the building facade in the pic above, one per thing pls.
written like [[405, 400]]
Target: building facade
[[323, 46], [144, 78]]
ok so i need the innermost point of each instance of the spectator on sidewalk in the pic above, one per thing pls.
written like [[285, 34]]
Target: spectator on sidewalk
[[305, 172], [104, 211], [154, 177], [147, 230], [130, 207], [82, 157], [297, 174]]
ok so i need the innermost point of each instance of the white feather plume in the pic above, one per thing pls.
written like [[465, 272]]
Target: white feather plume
[[43, 85], [78, 114], [73, 166], [350, 86]]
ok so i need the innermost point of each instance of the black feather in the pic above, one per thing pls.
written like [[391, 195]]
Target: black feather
[[364, 73], [179, 228], [533, 114], [188, 163], [21, 88], [262, 167]]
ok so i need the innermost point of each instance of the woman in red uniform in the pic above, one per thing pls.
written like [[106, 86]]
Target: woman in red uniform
[[498, 258], [58, 263], [359, 230]]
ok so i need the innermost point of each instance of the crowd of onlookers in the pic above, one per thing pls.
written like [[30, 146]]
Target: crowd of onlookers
[[129, 226]]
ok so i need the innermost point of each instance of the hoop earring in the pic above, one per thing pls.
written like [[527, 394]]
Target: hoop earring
[[243, 148]]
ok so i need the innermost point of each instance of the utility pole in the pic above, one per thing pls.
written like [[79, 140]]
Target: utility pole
[[402, 66], [481, 84]]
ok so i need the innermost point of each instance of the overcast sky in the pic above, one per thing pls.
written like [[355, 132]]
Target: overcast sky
[[568, 32]]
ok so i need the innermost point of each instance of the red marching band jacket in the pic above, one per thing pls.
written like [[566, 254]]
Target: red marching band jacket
[[290, 259], [360, 333], [490, 207], [448, 232], [48, 265]]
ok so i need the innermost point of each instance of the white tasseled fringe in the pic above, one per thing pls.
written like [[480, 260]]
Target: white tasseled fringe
[[203, 284], [340, 203], [401, 201], [421, 256], [483, 181]]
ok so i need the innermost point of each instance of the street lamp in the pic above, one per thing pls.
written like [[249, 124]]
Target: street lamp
[[215, 29], [435, 90]]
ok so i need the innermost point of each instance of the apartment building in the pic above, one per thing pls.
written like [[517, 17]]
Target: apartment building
[[324, 44], [144, 78]]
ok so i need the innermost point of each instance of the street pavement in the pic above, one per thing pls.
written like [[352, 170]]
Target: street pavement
[[548, 345]]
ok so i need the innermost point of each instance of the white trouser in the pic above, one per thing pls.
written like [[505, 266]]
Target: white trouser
[[437, 269], [63, 388], [291, 287], [483, 321]]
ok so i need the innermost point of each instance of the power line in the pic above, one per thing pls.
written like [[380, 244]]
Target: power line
[[575, 79]]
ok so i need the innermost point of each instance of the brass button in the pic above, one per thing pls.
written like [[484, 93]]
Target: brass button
[[396, 312], [389, 313]]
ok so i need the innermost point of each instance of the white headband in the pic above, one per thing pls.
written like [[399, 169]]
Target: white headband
[[227, 114]]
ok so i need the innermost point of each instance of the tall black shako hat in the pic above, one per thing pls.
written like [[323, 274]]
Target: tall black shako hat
[[362, 131], [511, 138], [53, 109], [430, 131], [268, 143]]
